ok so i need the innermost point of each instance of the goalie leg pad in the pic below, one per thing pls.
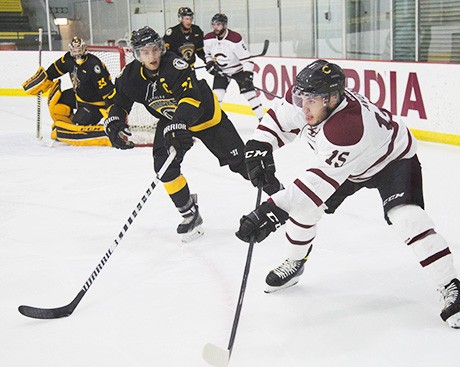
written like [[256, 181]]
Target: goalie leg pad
[[58, 111], [38, 82], [81, 135]]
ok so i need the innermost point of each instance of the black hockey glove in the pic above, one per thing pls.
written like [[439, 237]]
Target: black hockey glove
[[118, 133], [213, 68], [178, 136], [259, 162], [266, 219]]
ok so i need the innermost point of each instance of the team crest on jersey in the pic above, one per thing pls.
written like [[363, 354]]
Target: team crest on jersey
[[168, 31], [97, 69], [180, 64]]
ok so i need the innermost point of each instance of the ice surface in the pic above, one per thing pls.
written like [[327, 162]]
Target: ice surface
[[362, 301]]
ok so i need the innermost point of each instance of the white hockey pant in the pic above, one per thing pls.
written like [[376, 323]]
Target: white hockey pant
[[417, 230]]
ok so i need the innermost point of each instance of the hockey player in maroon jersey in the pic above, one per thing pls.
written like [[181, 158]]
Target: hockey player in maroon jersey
[[186, 107], [227, 57], [75, 112], [185, 39], [356, 145]]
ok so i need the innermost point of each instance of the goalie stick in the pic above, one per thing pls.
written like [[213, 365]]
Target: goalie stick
[[39, 95], [264, 51], [64, 311], [217, 356]]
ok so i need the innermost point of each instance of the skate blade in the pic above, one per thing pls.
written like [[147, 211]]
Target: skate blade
[[271, 289], [454, 321], [192, 235]]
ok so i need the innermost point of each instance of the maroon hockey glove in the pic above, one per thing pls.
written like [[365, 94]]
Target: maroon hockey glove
[[118, 133], [178, 136], [267, 218]]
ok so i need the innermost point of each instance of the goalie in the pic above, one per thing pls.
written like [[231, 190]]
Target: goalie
[[75, 112]]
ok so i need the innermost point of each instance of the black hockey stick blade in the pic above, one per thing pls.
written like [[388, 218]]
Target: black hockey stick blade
[[51, 313], [216, 356], [265, 49], [67, 310]]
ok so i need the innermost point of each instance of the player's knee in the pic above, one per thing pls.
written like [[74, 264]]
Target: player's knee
[[410, 221], [307, 217], [61, 112]]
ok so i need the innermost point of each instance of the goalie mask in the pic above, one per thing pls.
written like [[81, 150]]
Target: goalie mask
[[77, 48], [144, 37]]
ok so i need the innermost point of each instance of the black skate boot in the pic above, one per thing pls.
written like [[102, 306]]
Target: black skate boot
[[190, 228], [286, 275], [451, 296]]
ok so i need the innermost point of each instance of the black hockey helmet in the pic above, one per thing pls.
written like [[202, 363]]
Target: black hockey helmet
[[77, 47], [219, 18], [184, 12], [320, 78], [146, 36]]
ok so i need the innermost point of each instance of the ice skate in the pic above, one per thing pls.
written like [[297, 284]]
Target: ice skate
[[451, 297], [284, 276], [190, 228]]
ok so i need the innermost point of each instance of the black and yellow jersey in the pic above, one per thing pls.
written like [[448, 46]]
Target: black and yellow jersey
[[187, 45], [91, 80], [172, 93]]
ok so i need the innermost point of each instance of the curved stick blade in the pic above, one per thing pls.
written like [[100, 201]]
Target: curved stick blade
[[45, 313], [52, 313], [216, 356]]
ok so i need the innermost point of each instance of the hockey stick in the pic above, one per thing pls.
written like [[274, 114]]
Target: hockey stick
[[267, 92], [39, 95], [213, 354], [64, 311], [229, 77], [264, 51]]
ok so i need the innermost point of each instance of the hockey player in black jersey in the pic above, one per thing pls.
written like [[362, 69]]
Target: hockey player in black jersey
[[75, 112], [185, 39], [186, 107]]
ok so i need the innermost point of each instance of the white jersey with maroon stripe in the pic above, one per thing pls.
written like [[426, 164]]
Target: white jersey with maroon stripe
[[230, 53], [355, 142]]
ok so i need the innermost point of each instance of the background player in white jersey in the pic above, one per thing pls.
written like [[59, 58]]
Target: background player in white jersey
[[227, 57], [356, 145]]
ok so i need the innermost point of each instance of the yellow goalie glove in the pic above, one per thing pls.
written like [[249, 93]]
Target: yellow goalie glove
[[37, 83]]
